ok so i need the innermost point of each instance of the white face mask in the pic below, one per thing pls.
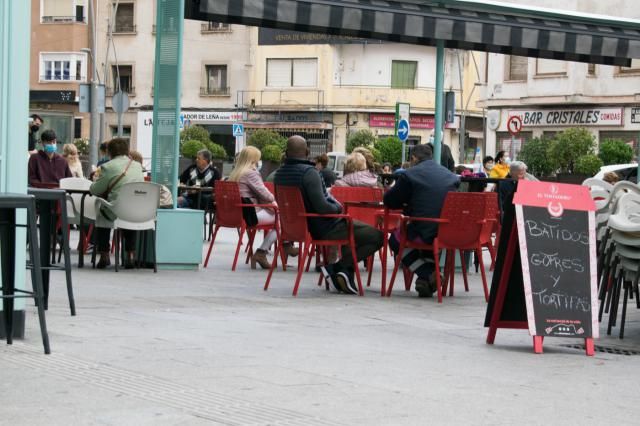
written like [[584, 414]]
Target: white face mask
[[259, 166], [507, 160], [431, 139]]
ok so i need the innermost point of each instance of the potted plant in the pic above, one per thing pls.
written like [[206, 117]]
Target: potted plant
[[218, 155], [388, 150], [271, 159], [569, 146], [588, 165], [362, 138], [615, 151], [536, 154], [188, 151]]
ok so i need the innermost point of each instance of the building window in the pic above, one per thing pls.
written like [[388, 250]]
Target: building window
[[633, 69], [70, 67], [126, 132], [215, 27], [512, 145], [122, 79], [215, 81], [403, 74], [591, 70], [550, 68], [517, 68], [62, 11], [302, 72], [630, 137], [124, 18]]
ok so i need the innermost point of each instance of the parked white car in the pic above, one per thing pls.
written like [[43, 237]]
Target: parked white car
[[336, 162], [627, 171]]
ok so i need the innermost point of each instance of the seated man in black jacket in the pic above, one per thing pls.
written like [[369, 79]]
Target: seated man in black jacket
[[202, 174], [299, 172], [421, 191]]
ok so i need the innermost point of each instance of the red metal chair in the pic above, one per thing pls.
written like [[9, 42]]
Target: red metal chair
[[492, 217], [229, 215], [294, 228], [460, 228], [271, 187]]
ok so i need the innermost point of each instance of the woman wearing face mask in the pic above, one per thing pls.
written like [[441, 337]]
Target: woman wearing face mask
[[46, 167], [501, 168], [252, 187]]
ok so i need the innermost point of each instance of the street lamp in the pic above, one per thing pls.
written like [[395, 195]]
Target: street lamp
[[95, 81]]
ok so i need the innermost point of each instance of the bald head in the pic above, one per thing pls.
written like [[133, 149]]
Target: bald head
[[297, 147]]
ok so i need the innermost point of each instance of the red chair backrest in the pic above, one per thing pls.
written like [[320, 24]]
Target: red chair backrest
[[271, 187], [293, 226], [463, 210], [356, 194], [228, 211]]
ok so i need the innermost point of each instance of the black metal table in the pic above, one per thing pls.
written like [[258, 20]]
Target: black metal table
[[9, 203]]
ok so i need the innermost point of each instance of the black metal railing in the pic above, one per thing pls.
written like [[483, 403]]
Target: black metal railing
[[61, 19], [215, 91], [215, 27], [131, 91], [124, 29]]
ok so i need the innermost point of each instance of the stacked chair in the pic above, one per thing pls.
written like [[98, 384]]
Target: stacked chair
[[618, 240]]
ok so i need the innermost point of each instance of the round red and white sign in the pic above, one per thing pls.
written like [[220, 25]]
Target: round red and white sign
[[514, 125]]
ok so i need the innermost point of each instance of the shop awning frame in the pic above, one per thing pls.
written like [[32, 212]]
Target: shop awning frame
[[470, 25]]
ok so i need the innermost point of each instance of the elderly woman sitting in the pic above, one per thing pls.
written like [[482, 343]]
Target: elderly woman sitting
[[356, 173], [518, 170]]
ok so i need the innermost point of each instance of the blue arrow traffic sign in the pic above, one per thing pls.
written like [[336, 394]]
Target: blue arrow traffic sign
[[403, 130]]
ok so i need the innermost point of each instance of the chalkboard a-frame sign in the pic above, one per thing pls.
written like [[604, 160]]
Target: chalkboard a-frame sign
[[555, 227]]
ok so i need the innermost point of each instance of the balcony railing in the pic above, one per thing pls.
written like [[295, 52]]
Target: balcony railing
[[215, 27], [124, 29], [61, 19], [281, 99], [61, 79], [215, 91], [131, 91]]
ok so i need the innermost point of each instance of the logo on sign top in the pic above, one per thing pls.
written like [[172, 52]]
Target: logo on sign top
[[514, 125], [238, 129], [403, 130]]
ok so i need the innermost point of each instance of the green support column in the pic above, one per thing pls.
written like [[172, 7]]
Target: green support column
[[15, 38], [179, 231], [437, 137]]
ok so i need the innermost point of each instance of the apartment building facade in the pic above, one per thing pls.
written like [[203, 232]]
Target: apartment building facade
[[550, 96], [216, 64], [327, 87], [59, 63]]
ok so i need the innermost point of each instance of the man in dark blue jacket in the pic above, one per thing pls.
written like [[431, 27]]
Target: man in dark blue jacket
[[420, 191], [299, 172]]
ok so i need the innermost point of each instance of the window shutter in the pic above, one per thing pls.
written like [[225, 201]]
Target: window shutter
[[305, 72], [518, 67], [278, 72]]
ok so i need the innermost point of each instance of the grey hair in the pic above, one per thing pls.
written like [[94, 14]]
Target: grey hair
[[206, 154], [516, 166]]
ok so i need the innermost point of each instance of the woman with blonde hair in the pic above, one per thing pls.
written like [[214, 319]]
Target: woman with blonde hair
[[252, 187], [70, 153], [356, 173]]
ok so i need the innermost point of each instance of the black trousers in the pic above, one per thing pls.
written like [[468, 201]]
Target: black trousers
[[367, 238], [103, 237]]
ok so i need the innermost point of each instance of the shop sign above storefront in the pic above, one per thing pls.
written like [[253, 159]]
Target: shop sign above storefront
[[570, 117]]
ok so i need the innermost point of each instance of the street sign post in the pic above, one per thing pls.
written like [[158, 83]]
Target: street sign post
[[514, 126], [403, 112], [238, 132], [403, 131]]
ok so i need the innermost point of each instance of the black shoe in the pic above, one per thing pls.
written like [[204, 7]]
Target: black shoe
[[331, 276], [425, 287], [103, 262], [345, 280]]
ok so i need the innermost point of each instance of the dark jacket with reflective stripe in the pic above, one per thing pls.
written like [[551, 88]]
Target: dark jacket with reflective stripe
[[420, 191], [303, 174]]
